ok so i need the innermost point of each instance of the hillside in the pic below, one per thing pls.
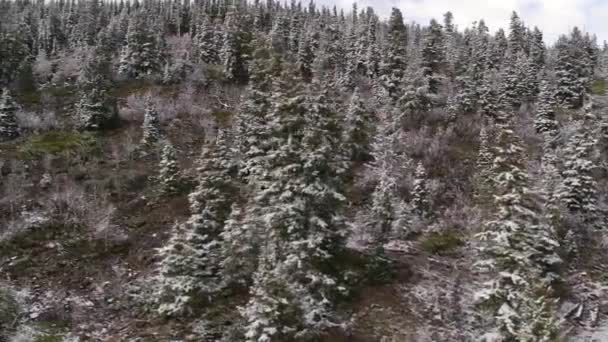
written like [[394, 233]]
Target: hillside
[[268, 172]]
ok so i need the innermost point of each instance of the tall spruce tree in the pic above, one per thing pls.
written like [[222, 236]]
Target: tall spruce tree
[[190, 266], [8, 120]]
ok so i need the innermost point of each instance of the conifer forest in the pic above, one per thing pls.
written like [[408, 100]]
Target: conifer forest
[[278, 171]]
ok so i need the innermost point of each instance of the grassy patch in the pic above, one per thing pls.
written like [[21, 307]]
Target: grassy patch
[[31, 98], [222, 118], [126, 88], [599, 87], [58, 142], [48, 338], [440, 243]]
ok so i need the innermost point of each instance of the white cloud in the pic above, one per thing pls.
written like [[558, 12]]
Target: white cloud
[[553, 17]]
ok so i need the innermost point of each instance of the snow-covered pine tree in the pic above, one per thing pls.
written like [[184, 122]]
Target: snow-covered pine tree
[[545, 121], [141, 55], [305, 58], [517, 40], [359, 129], [300, 205], [578, 190], [537, 50], [151, 125], [96, 108], [420, 194], [206, 44], [253, 132], [433, 55], [498, 48], [233, 57], [190, 266], [395, 62], [512, 88], [488, 100], [382, 212], [168, 176], [9, 129], [517, 246], [483, 176], [572, 69]]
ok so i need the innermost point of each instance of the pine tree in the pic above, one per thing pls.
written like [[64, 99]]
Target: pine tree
[[545, 114], [141, 55], [233, 56], [241, 237], [169, 170], [96, 108], [537, 50], [420, 195], [483, 177], [300, 203], [151, 125], [382, 213], [395, 62], [190, 266], [9, 129], [488, 98], [516, 35], [358, 132], [433, 57], [205, 42], [573, 69], [518, 246], [578, 190], [498, 49], [305, 59]]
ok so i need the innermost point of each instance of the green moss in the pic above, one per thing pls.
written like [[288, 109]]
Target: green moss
[[599, 87], [440, 243], [58, 142]]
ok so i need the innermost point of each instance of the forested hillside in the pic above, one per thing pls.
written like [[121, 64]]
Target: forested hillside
[[224, 170]]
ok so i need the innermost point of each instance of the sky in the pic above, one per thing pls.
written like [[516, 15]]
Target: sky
[[553, 17]]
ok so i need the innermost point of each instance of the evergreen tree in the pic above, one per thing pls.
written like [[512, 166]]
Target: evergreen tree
[[545, 114], [190, 266], [233, 56], [206, 44], [483, 177], [13, 50], [516, 35], [8, 121], [395, 62], [518, 246], [96, 108], [382, 213], [141, 55], [169, 170], [151, 125], [433, 56], [300, 203], [572, 69], [578, 190], [359, 126], [420, 196]]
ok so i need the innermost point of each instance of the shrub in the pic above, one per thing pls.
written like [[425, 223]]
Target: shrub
[[440, 242]]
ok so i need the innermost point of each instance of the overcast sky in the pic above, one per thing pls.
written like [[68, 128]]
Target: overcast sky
[[553, 17]]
